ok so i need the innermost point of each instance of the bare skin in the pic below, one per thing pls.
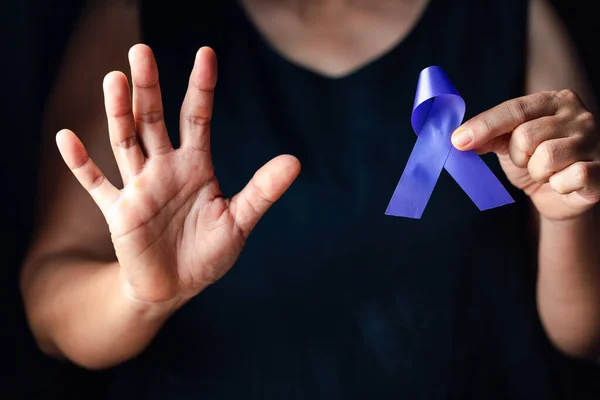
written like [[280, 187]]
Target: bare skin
[[334, 37], [98, 288]]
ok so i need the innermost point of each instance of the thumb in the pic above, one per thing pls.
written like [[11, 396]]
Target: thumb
[[266, 186]]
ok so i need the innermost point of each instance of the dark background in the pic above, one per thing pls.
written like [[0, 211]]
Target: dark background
[[34, 35]]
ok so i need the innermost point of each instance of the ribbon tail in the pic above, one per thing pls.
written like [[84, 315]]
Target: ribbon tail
[[477, 180], [421, 174]]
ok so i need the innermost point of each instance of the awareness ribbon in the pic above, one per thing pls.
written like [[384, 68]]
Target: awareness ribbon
[[437, 111]]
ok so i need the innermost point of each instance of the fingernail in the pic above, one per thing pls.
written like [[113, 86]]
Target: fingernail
[[462, 137]]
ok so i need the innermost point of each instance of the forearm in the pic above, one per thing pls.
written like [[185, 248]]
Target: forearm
[[569, 283], [79, 309]]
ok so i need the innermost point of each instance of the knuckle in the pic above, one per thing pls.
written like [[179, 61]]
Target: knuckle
[[558, 185], [520, 108], [119, 109], [198, 120], [80, 164], [581, 173], [524, 138], [519, 158], [126, 143], [568, 97], [554, 100], [548, 96], [149, 117], [587, 120], [538, 100], [542, 164], [96, 181], [258, 195], [163, 147], [548, 155], [536, 174], [255, 203], [251, 208], [202, 87], [481, 126]]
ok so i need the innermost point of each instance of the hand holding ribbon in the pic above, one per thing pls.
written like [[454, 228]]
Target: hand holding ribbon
[[548, 145]]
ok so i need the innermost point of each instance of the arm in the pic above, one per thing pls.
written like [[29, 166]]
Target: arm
[[98, 294], [569, 250], [71, 269], [548, 145]]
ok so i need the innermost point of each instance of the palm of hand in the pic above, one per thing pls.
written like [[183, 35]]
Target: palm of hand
[[172, 216], [173, 231]]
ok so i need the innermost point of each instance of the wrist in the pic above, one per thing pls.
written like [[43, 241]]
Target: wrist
[[586, 220], [570, 243]]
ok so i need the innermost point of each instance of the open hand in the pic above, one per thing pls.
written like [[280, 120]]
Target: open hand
[[173, 231]]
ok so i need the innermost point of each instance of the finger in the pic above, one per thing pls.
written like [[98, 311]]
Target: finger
[[582, 177], [266, 187], [503, 118], [147, 103], [528, 136], [196, 111], [85, 170], [555, 155], [126, 148], [498, 145]]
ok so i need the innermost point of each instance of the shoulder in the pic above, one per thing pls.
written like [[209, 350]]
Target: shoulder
[[553, 60]]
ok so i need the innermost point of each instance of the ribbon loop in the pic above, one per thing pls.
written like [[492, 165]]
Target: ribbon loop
[[437, 111]]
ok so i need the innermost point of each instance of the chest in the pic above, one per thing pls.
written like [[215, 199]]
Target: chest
[[330, 37], [353, 138], [353, 141]]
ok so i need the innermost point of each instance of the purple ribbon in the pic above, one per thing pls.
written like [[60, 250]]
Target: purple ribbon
[[438, 110]]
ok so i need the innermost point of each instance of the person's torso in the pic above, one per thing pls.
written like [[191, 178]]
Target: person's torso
[[330, 297]]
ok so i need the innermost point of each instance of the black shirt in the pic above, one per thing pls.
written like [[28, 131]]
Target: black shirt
[[331, 298]]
